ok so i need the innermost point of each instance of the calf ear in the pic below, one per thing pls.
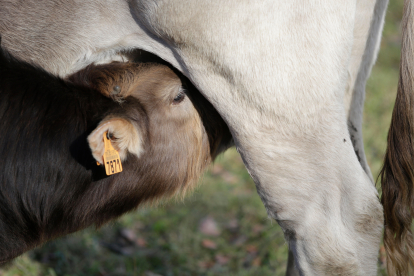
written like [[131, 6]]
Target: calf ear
[[125, 137]]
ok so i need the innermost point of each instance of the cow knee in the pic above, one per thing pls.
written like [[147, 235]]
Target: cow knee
[[345, 245]]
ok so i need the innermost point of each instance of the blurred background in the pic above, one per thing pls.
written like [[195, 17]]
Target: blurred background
[[220, 229]]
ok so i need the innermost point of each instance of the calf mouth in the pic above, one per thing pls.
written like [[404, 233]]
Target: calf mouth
[[139, 56]]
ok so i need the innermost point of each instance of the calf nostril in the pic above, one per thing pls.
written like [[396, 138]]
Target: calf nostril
[[116, 90]]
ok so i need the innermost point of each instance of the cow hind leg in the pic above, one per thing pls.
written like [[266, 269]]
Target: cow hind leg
[[367, 33], [323, 200]]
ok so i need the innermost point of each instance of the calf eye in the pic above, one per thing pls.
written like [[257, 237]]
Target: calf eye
[[179, 98]]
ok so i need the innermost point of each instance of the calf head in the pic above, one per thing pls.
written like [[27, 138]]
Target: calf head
[[158, 125]]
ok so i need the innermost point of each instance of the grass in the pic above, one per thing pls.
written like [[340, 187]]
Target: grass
[[171, 239]]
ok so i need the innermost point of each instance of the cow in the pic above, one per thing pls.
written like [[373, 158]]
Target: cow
[[53, 135], [287, 77]]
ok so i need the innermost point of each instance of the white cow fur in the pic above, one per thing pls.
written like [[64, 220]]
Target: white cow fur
[[288, 77]]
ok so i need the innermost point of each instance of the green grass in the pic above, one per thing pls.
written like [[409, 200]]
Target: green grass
[[168, 240]]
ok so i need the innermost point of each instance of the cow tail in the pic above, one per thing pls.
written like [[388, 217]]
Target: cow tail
[[397, 174]]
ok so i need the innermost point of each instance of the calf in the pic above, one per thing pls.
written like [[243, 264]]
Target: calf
[[52, 135]]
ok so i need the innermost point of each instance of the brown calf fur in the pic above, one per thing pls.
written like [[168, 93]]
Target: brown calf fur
[[397, 174], [50, 184]]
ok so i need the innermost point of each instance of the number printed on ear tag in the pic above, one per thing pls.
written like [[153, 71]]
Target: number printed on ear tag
[[111, 158]]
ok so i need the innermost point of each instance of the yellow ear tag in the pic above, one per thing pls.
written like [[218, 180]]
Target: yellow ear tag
[[111, 158]]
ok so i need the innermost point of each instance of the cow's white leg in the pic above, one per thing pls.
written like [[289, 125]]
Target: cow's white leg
[[369, 21], [277, 72], [321, 197]]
